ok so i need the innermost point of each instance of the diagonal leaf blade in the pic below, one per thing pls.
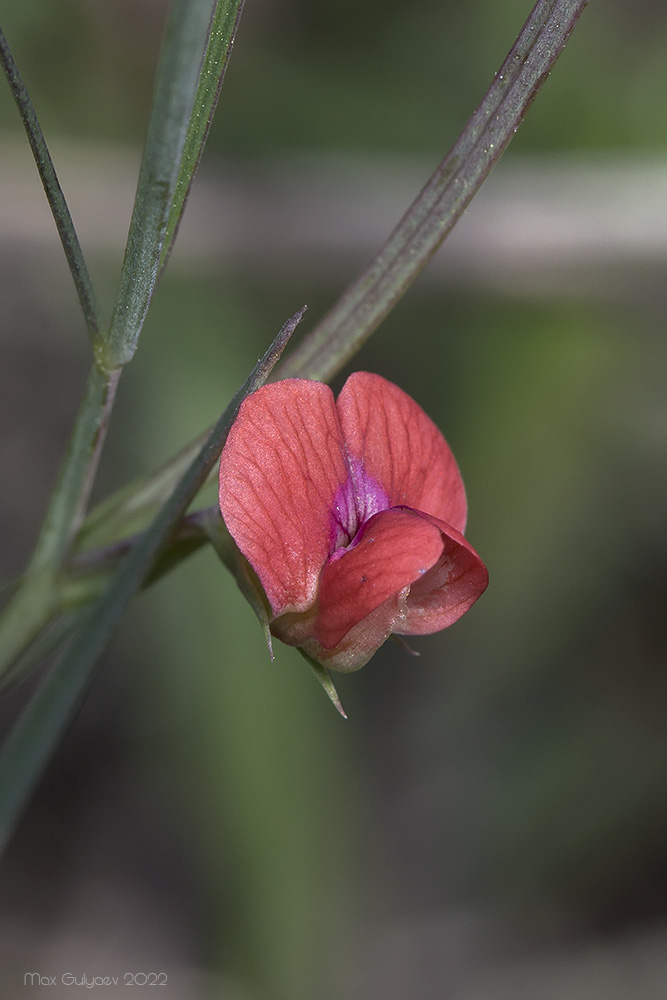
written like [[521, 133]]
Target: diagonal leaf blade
[[326, 349], [132, 507], [221, 38], [35, 735], [444, 198], [176, 86]]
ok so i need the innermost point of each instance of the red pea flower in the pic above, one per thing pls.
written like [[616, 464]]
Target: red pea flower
[[351, 513]]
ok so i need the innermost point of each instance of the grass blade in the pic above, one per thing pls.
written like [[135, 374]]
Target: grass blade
[[53, 635], [176, 88], [54, 194], [216, 59], [443, 200], [38, 730]]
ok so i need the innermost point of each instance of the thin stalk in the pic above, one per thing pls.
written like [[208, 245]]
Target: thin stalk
[[54, 194], [45, 644], [25, 617], [33, 620], [72, 492], [440, 204], [107, 557], [37, 600], [37, 732], [192, 64]]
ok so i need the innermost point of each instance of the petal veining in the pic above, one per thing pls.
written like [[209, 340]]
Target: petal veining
[[281, 468], [390, 438]]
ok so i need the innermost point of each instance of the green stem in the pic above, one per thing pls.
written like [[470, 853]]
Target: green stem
[[180, 78], [46, 640], [54, 194], [50, 604], [106, 557], [29, 612], [33, 738], [72, 493], [38, 599], [440, 204]]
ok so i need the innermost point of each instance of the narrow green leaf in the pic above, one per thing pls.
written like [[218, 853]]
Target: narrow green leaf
[[176, 88], [29, 611], [443, 200], [131, 508], [38, 730], [178, 78], [54, 194], [324, 352], [53, 604], [53, 635], [218, 51], [86, 574]]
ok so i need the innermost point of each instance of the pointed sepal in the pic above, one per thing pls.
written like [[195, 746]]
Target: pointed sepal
[[324, 678]]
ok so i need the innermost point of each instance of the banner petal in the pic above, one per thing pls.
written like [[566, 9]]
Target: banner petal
[[390, 438], [281, 472]]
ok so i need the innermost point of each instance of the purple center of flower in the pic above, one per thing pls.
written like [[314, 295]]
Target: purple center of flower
[[355, 502]]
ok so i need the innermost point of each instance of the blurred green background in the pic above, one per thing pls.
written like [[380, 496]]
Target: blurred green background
[[491, 821]]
